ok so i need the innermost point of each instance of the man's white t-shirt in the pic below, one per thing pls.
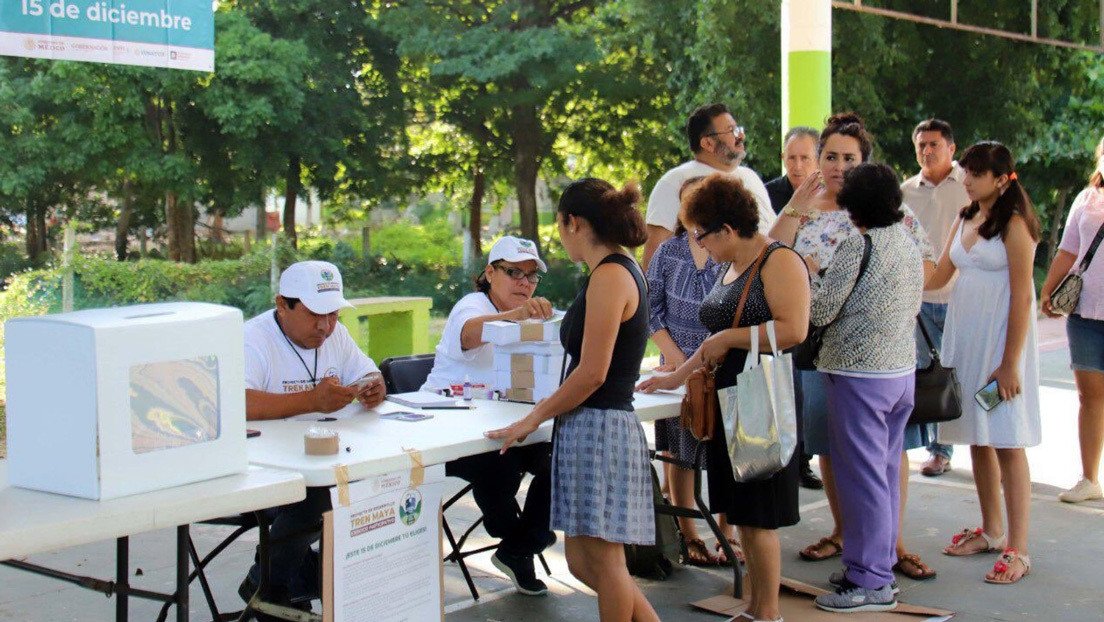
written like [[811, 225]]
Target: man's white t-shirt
[[274, 364], [937, 207], [663, 204], [452, 363]]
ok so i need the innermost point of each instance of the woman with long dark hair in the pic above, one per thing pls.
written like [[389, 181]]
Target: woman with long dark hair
[[990, 337], [601, 481]]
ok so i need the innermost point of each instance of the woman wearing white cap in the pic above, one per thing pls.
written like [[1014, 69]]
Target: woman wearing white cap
[[504, 291]]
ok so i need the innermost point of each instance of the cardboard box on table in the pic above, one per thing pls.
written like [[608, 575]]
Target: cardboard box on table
[[105, 403], [528, 358]]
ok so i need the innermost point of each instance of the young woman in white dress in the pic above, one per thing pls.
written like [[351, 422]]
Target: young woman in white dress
[[990, 335]]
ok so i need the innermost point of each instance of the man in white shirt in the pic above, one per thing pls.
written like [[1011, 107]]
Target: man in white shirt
[[300, 359], [718, 146], [936, 195]]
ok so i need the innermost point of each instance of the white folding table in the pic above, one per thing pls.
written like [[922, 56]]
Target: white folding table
[[34, 522], [371, 445]]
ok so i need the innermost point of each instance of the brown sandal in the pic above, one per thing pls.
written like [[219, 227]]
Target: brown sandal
[[827, 548], [737, 550], [913, 567], [697, 554]]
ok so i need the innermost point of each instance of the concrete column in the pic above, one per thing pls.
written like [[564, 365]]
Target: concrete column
[[806, 62]]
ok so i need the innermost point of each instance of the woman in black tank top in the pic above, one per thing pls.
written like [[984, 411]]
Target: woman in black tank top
[[601, 477], [723, 217]]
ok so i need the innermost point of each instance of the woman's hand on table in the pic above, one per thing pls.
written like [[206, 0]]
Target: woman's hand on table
[[659, 382], [514, 433]]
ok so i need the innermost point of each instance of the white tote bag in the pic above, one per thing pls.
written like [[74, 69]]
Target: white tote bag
[[759, 414]]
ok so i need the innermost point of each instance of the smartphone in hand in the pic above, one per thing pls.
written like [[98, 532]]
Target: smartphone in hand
[[988, 396], [360, 383]]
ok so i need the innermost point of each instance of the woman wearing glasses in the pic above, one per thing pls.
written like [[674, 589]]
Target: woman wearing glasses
[[504, 291]]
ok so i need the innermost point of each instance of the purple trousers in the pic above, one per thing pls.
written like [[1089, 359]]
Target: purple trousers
[[866, 436]]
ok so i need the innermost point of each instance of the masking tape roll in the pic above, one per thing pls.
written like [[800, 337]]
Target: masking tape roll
[[321, 442]]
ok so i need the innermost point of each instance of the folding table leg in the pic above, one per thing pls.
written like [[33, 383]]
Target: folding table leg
[[122, 579], [183, 543]]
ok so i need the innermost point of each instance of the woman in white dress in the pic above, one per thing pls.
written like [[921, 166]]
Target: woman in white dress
[[990, 336]]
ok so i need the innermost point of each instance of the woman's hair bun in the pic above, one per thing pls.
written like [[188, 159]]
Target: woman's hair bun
[[845, 118]]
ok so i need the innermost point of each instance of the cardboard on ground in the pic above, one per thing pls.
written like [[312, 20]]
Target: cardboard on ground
[[797, 604]]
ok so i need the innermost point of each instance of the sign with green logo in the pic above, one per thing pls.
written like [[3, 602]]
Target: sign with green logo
[[178, 34]]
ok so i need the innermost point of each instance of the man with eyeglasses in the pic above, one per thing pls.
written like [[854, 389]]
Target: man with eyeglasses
[[504, 291], [718, 145]]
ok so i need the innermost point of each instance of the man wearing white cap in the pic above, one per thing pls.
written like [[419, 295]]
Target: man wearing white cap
[[504, 291], [300, 359]]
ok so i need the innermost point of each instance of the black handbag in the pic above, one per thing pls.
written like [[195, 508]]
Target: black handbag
[[938, 395], [804, 354]]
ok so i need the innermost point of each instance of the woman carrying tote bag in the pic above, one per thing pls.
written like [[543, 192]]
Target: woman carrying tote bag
[[722, 217]]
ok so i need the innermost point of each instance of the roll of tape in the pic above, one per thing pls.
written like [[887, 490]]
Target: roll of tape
[[321, 442]]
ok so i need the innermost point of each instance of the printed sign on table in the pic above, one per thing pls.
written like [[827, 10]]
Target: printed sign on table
[[383, 559], [178, 34]]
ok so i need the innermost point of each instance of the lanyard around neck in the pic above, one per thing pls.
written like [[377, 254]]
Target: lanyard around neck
[[313, 375]]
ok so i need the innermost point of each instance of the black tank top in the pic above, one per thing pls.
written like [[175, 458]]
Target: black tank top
[[628, 350]]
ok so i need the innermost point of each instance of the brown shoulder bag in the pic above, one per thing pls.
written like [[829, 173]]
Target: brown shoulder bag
[[700, 406]]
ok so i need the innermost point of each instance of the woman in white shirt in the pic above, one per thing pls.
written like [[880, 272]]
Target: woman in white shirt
[[504, 291]]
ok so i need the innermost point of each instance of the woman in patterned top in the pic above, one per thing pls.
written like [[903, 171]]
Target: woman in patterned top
[[816, 226], [723, 219], [867, 300], [680, 274]]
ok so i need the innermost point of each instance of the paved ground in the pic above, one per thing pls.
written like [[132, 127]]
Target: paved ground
[[1065, 585]]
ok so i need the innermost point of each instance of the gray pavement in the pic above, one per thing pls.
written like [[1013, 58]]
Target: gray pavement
[[1066, 544]]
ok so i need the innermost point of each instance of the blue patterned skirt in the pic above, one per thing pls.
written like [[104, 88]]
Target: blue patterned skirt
[[601, 477]]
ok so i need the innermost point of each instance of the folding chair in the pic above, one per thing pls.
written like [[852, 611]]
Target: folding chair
[[403, 374]]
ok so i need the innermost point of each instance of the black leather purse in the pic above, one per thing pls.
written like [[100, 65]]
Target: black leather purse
[[938, 395]]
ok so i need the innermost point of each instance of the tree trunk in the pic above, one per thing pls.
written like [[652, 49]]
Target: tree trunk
[[1056, 223], [526, 138], [216, 228], [475, 214], [292, 194], [121, 227], [36, 241], [260, 221], [181, 229]]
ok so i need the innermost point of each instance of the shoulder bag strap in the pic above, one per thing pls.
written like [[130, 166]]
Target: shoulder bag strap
[[927, 338], [1092, 250], [868, 244], [754, 272]]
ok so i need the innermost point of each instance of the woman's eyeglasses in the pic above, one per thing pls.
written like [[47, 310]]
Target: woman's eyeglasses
[[698, 237], [518, 274]]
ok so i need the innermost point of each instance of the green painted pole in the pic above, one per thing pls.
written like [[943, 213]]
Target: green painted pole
[[806, 63]]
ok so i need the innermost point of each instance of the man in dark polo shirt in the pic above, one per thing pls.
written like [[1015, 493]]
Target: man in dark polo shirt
[[799, 156]]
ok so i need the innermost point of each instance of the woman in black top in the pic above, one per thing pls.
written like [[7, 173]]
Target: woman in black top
[[601, 482], [722, 217]]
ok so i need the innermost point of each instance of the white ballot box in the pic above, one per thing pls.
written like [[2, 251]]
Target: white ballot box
[[112, 402]]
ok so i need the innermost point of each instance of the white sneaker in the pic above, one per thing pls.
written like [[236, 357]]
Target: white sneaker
[[1083, 491]]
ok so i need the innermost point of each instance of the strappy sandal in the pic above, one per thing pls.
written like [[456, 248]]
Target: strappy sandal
[[827, 548], [992, 545], [913, 567], [1002, 565], [737, 550], [696, 546], [743, 615]]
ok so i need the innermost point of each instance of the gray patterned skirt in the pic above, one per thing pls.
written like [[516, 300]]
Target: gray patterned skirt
[[601, 477]]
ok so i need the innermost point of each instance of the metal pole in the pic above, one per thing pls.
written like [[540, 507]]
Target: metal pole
[[1034, 19], [806, 62], [69, 248], [122, 579], [183, 542]]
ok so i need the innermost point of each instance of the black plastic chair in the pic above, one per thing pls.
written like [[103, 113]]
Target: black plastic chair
[[403, 374]]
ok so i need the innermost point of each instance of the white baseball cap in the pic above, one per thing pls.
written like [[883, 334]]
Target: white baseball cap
[[316, 283], [515, 250]]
